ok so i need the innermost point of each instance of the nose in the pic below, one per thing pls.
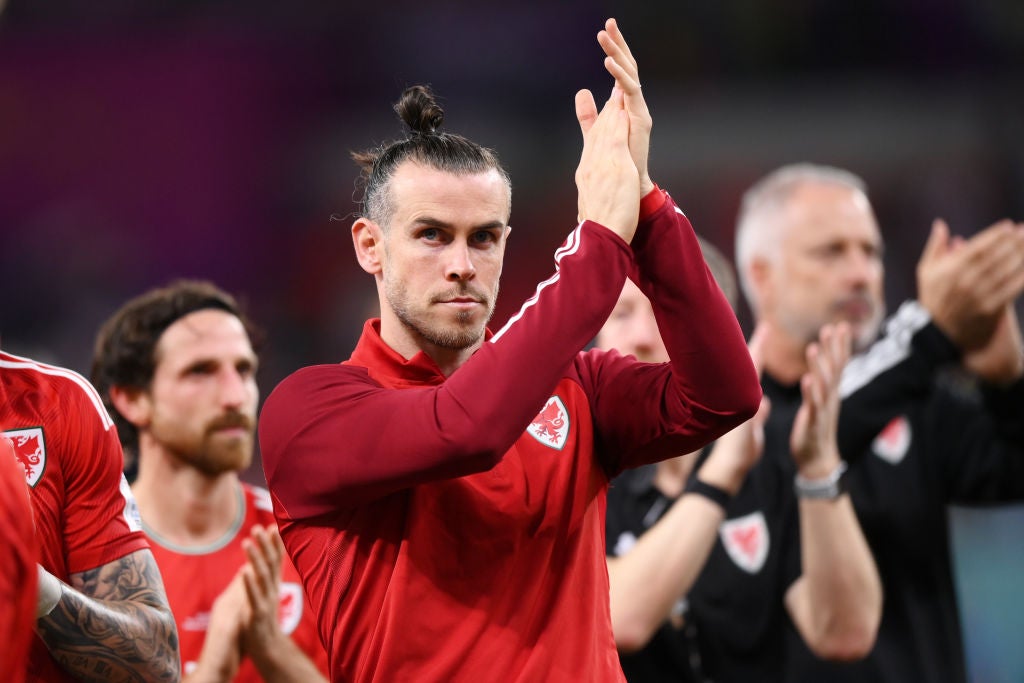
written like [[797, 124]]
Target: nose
[[234, 389], [645, 337], [459, 266], [860, 268]]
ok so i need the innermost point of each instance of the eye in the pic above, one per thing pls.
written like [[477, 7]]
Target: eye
[[483, 237], [200, 369], [246, 368], [430, 234]]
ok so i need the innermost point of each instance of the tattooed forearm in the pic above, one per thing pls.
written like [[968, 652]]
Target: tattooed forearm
[[115, 624]]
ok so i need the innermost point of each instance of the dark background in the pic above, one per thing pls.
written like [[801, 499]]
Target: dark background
[[140, 142]]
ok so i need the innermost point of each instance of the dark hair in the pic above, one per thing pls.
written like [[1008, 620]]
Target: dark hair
[[425, 144], [125, 351]]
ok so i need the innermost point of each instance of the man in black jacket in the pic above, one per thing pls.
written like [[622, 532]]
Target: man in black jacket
[[809, 253]]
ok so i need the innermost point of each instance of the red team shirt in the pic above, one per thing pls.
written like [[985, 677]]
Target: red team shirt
[[17, 567], [68, 448], [194, 577], [440, 540]]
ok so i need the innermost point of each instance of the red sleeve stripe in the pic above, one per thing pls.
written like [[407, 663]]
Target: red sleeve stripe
[[12, 362]]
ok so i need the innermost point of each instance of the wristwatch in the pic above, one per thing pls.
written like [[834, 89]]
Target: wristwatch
[[827, 488]]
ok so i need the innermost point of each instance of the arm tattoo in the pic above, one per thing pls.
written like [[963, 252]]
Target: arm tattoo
[[115, 624]]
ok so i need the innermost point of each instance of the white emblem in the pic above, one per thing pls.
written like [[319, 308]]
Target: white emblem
[[893, 442], [131, 509], [746, 540], [30, 451], [551, 426], [289, 611]]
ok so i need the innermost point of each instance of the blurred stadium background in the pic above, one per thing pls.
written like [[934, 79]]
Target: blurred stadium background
[[141, 142]]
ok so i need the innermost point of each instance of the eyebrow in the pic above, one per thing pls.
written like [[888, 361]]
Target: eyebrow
[[437, 223]]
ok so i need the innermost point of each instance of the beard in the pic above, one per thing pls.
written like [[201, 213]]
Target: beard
[[211, 451], [863, 332], [464, 333]]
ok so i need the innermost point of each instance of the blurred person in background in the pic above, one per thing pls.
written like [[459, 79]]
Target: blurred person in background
[[442, 492], [809, 253], [17, 568], [101, 611], [177, 369], [666, 520]]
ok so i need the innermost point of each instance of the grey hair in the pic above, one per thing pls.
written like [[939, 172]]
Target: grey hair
[[753, 236]]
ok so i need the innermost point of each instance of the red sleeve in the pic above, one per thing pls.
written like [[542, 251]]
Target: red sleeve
[[332, 437], [101, 519], [708, 387]]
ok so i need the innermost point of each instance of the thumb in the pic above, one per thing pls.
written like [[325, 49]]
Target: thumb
[[586, 110], [938, 239]]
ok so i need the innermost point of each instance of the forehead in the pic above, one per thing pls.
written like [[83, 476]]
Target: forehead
[[819, 212], [206, 333], [419, 190], [631, 295]]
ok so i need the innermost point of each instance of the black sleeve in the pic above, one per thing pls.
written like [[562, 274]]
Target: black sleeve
[[980, 444], [897, 370]]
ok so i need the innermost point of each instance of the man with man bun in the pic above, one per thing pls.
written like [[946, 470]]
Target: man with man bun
[[442, 492]]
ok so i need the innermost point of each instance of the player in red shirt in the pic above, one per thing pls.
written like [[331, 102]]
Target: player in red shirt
[[17, 569], [101, 609], [442, 492], [178, 370]]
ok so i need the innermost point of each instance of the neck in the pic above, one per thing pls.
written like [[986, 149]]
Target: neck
[[181, 504], [407, 344], [784, 357]]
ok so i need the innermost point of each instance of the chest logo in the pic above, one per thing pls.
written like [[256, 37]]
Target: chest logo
[[289, 610], [746, 541], [29, 447], [893, 442], [551, 426]]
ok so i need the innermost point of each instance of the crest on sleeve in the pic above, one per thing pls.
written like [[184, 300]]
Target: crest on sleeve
[[551, 426], [29, 447], [746, 541], [289, 609], [893, 442]]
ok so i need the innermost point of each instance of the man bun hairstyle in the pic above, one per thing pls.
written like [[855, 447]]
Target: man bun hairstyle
[[426, 144], [419, 110]]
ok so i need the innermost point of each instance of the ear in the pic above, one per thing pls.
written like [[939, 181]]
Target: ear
[[133, 404], [761, 278], [368, 240]]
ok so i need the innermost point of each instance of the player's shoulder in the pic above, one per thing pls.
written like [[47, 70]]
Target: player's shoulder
[[49, 390], [328, 373], [312, 381]]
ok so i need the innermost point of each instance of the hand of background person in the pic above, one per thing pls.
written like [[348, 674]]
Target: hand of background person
[[737, 451], [813, 439], [607, 178], [1001, 360], [222, 649], [966, 284], [262, 579], [622, 66]]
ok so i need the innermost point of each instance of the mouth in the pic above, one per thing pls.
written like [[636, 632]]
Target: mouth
[[462, 302], [855, 310], [232, 432]]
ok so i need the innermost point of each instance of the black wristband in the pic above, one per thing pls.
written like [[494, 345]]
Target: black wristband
[[720, 497]]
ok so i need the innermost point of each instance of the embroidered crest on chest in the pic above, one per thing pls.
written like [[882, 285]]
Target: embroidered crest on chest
[[746, 541], [551, 426], [289, 610], [893, 442], [29, 447]]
